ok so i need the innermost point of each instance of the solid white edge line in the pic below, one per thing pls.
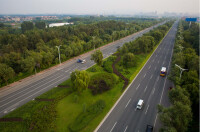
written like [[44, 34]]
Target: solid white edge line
[[125, 91], [113, 126]]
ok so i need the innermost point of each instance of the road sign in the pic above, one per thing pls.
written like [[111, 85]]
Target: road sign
[[191, 19]]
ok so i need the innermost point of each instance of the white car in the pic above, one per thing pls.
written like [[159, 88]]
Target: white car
[[83, 61], [140, 104]]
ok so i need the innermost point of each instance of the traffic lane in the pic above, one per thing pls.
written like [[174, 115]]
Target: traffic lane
[[151, 107], [161, 58], [135, 95], [32, 92], [143, 77], [130, 92]]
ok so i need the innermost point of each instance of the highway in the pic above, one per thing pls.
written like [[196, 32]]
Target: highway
[[148, 86], [21, 92]]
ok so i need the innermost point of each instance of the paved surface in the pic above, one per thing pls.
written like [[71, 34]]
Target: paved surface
[[150, 87], [19, 93]]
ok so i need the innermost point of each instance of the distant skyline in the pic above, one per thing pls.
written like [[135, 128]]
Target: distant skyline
[[105, 7]]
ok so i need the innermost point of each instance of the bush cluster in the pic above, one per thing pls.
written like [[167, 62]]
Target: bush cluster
[[102, 82]]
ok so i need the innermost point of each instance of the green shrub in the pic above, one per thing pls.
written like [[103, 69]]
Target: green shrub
[[102, 82], [83, 119], [107, 66]]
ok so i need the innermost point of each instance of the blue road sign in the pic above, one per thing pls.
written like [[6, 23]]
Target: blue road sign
[[191, 19]]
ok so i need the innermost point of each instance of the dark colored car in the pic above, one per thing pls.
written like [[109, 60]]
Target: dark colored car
[[149, 128]]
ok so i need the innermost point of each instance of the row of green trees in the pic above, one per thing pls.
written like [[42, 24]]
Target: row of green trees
[[33, 50], [183, 115], [142, 45]]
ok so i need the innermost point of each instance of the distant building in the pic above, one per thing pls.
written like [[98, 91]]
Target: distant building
[[58, 24]]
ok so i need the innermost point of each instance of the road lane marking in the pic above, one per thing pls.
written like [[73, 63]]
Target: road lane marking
[[32, 90], [163, 63], [158, 62], [153, 90], [125, 128], [155, 121], [151, 76], [128, 102], [27, 88], [113, 126], [67, 70], [157, 79], [12, 109], [31, 95], [144, 75], [147, 109], [145, 89], [137, 86], [149, 67]]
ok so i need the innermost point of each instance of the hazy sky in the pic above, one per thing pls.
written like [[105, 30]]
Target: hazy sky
[[97, 6]]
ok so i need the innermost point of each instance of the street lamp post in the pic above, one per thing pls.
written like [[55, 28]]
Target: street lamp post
[[180, 69], [59, 52], [93, 41]]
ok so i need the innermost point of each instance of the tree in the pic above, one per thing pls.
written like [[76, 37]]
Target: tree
[[80, 80], [179, 95], [26, 26], [97, 56], [6, 72], [177, 116], [129, 60], [40, 25], [28, 65]]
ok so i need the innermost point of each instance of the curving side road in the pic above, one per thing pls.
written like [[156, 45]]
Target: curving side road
[[19, 93], [149, 86]]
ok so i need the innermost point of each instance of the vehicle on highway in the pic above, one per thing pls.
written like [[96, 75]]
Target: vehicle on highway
[[81, 61], [149, 128], [140, 104], [163, 71]]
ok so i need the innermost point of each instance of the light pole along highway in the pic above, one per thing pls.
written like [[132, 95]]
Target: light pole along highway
[[59, 52]]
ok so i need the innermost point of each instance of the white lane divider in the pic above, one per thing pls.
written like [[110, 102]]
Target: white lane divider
[[137, 86], [113, 126], [145, 89], [158, 62], [128, 102], [144, 75], [151, 76], [125, 129], [149, 67], [147, 109], [153, 90]]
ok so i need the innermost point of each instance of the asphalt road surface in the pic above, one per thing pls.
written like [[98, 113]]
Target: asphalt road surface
[[148, 86], [19, 93]]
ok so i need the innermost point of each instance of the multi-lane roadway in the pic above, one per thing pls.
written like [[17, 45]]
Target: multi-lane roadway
[[20, 93], [148, 86]]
